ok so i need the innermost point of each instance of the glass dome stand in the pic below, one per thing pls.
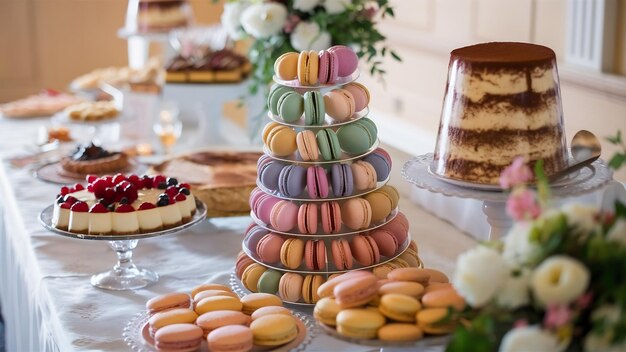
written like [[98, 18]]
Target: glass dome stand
[[417, 171]]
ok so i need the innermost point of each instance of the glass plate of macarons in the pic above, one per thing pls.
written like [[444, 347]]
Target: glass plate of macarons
[[327, 122], [295, 157], [340, 81]]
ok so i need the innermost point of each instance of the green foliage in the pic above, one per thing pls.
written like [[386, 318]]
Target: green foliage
[[619, 158]]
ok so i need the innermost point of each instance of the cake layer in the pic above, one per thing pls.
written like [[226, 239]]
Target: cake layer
[[502, 140], [476, 84], [500, 117]]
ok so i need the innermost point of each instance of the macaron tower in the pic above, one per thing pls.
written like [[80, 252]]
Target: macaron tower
[[322, 206]]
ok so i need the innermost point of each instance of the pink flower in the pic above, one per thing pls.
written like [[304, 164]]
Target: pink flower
[[557, 316], [292, 22], [515, 174], [522, 205], [584, 300], [520, 323], [369, 12]]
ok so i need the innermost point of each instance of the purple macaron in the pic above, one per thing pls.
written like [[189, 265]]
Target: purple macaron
[[342, 180], [292, 180], [269, 172], [317, 182], [381, 161], [347, 59]]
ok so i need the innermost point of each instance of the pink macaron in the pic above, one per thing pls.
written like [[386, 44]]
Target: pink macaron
[[398, 227], [347, 59], [327, 288], [290, 287], [342, 255], [315, 255], [268, 248], [243, 261], [284, 215], [178, 337], [317, 182], [254, 196], [230, 338], [356, 213], [330, 213], [263, 207], [356, 291], [387, 243], [328, 67], [365, 250], [364, 175], [360, 93], [339, 104], [308, 218]]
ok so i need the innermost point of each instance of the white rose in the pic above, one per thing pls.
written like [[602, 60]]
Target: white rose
[[582, 217], [529, 338], [307, 36], [479, 274], [305, 5], [336, 6], [231, 18], [618, 232], [264, 20], [559, 280], [609, 315], [518, 249], [515, 292]]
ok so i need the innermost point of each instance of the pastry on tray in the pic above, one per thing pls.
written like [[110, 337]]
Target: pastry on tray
[[213, 67], [46, 103], [222, 180], [92, 111], [162, 15], [117, 76], [93, 159], [123, 205]]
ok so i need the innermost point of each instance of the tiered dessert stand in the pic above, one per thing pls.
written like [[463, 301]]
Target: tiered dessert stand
[[420, 172], [251, 239]]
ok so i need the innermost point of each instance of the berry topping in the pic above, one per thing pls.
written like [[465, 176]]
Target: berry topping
[[91, 178], [157, 179], [185, 191], [60, 199], [90, 188], [146, 206], [111, 207], [171, 181], [164, 200], [180, 197], [78, 187], [69, 199], [98, 208], [172, 200], [124, 208], [99, 186], [135, 181], [109, 195], [131, 193], [80, 207], [162, 185], [171, 191], [65, 190], [118, 178], [147, 181], [184, 185], [65, 206], [124, 200], [109, 180]]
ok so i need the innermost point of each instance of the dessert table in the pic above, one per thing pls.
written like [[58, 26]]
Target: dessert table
[[47, 300]]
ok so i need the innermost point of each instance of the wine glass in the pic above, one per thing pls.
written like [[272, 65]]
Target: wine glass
[[168, 127]]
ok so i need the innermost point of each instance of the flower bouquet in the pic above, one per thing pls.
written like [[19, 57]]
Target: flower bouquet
[[557, 282], [277, 27]]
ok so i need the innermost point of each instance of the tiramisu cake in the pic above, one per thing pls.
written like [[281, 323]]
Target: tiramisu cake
[[502, 100]]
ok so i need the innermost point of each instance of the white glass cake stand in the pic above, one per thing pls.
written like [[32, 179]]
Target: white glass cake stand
[[417, 171], [125, 275]]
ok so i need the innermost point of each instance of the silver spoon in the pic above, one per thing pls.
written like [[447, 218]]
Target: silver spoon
[[585, 148]]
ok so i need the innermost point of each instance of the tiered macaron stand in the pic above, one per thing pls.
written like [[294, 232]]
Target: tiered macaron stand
[[252, 238], [420, 172]]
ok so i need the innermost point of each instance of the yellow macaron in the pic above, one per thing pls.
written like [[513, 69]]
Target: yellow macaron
[[400, 332], [254, 301], [210, 304], [326, 310], [308, 68], [399, 307], [444, 299], [360, 323], [274, 330], [251, 276], [286, 66], [408, 288], [205, 287], [430, 321]]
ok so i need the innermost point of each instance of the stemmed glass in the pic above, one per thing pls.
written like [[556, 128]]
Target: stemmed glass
[[168, 127]]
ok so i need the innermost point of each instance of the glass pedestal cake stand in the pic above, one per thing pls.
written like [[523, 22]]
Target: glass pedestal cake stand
[[125, 275], [418, 172]]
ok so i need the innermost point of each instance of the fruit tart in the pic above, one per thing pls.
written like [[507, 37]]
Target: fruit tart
[[93, 159]]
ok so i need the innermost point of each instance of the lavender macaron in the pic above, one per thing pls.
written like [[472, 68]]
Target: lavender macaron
[[342, 180], [292, 180], [381, 161], [269, 173]]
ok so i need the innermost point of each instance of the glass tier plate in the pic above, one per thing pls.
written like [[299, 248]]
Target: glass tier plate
[[417, 171], [330, 267], [328, 121], [339, 82], [138, 338], [45, 218], [305, 196], [417, 345], [295, 157], [343, 232]]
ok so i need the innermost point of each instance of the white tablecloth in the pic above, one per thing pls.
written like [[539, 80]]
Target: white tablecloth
[[48, 303]]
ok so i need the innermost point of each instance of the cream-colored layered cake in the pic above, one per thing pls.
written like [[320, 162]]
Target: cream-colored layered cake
[[502, 100], [123, 205]]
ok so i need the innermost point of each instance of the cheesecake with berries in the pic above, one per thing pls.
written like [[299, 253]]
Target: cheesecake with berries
[[121, 205]]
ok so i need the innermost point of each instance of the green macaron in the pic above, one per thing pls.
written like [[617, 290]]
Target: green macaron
[[275, 93], [314, 111], [328, 143], [268, 282], [357, 137], [290, 106]]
